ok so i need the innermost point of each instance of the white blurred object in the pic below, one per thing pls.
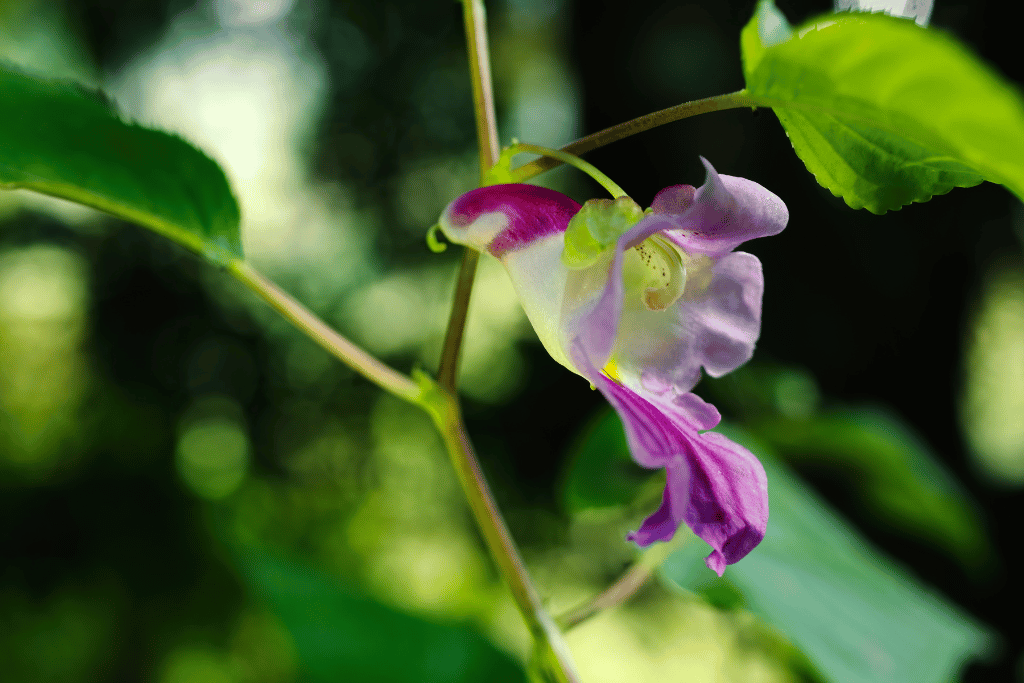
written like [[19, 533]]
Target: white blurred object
[[918, 10], [992, 398], [251, 12]]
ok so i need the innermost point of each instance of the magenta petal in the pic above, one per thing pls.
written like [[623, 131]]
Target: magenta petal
[[664, 522], [728, 505], [503, 218], [725, 212]]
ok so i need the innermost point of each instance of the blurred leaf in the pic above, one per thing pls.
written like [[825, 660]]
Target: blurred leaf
[[765, 388], [343, 636], [893, 470], [601, 472], [882, 111], [900, 479], [60, 139], [856, 617]]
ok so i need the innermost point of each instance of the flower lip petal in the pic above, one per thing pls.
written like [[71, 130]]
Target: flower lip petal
[[724, 212], [714, 485], [502, 218]]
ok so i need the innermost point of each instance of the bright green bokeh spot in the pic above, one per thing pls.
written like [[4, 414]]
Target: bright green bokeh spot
[[213, 457], [59, 139], [856, 617], [882, 111], [197, 665], [596, 227]]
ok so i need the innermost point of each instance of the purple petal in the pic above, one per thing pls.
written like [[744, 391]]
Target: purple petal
[[714, 485], [724, 212], [674, 199], [725, 319], [663, 523], [598, 328], [504, 218], [715, 327], [728, 499]]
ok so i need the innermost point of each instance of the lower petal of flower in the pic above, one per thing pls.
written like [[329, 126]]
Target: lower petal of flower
[[717, 487]]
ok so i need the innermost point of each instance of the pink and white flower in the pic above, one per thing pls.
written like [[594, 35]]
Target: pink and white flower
[[639, 303]]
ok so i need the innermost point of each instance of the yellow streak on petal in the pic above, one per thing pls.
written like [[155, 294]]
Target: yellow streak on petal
[[611, 370]]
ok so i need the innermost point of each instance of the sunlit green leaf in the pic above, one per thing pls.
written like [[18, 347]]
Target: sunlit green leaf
[[856, 617], [884, 112], [342, 636], [60, 139]]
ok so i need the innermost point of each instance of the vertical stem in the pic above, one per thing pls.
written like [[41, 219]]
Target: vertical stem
[[448, 369], [487, 142], [553, 653], [554, 659], [483, 91]]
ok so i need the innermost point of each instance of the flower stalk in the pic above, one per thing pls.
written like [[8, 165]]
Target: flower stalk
[[551, 656], [475, 20], [560, 156], [626, 586]]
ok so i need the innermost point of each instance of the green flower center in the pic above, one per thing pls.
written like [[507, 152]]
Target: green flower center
[[654, 268], [596, 228]]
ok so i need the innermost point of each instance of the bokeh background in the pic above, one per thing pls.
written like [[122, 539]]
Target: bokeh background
[[183, 477]]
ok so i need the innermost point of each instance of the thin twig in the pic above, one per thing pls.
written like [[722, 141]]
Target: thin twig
[[623, 589], [356, 358], [638, 125], [444, 407]]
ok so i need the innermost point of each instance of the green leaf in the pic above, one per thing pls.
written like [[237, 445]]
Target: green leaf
[[894, 471], [601, 472], [884, 112], [60, 139], [884, 460], [342, 636], [854, 615]]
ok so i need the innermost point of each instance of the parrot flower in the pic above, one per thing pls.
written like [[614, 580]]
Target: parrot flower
[[638, 303]]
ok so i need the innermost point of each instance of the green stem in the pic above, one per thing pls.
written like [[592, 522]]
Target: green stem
[[356, 358], [638, 125], [439, 399], [487, 142], [444, 409], [483, 92], [571, 159], [623, 589]]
